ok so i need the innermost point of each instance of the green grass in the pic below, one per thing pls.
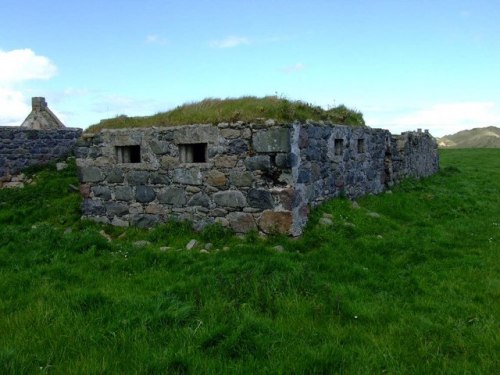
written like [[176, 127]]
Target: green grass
[[247, 109], [414, 291]]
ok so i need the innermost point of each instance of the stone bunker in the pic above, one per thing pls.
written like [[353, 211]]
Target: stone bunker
[[247, 176]]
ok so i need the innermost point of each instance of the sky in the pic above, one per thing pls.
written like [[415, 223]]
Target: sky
[[405, 64]]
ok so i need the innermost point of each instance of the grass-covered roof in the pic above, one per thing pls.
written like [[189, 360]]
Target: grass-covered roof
[[247, 109]]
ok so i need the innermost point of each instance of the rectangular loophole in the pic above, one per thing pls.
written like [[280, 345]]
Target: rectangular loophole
[[361, 146], [128, 154], [193, 153], [339, 146]]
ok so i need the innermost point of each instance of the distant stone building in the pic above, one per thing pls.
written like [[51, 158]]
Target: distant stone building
[[42, 138], [247, 176], [41, 117]]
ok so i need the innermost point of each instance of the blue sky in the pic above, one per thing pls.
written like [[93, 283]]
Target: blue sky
[[404, 64]]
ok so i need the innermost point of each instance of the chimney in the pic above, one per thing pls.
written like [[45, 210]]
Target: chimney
[[38, 103]]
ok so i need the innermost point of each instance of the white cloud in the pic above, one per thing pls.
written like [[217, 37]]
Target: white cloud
[[441, 119], [293, 68], [16, 67], [13, 109], [23, 64], [229, 42]]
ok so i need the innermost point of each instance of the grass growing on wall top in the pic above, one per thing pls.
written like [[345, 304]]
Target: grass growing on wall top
[[413, 291], [245, 109]]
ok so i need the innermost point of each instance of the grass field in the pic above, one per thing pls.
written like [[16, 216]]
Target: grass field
[[413, 291]]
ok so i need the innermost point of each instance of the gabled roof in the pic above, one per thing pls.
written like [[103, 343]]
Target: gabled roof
[[41, 117]]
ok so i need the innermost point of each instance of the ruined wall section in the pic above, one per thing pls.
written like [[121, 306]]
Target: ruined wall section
[[261, 176], [414, 154], [336, 161], [21, 147], [243, 179]]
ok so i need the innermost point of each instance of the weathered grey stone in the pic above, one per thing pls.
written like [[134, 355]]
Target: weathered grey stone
[[246, 133], [91, 174], [115, 176], [222, 221], [217, 212], [199, 199], [117, 222], [135, 208], [304, 176], [169, 162], [102, 192], [190, 176], [216, 178], [137, 177], [259, 162], [144, 220], [272, 140], [124, 193], [224, 161], [192, 189], [260, 198], [174, 196], [92, 207], [191, 244], [159, 147], [230, 133], [238, 147], [251, 210], [61, 166], [241, 179], [325, 221], [230, 198], [196, 134], [85, 190], [279, 222], [116, 209], [160, 179], [144, 194], [287, 160], [155, 208], [12, 185], [241, 222], [285, 197]]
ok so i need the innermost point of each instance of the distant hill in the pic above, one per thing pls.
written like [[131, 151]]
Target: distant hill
[[488, 137]]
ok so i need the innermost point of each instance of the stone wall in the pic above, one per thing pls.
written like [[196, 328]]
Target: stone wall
[[336, 160], [243, 181], [349, 161], [21, 148], [414, 154], [259, 176]]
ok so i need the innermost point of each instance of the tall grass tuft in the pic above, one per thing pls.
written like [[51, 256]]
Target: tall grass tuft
[[247, 109]]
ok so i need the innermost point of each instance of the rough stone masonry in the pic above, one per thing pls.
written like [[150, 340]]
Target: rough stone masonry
[[41, 139], [247, 176]]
